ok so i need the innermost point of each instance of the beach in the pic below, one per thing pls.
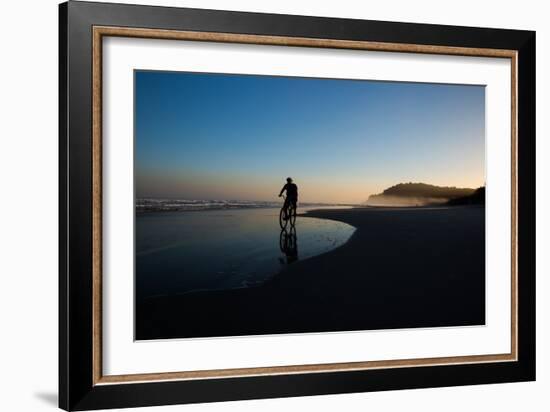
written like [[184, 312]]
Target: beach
[[412, 267]]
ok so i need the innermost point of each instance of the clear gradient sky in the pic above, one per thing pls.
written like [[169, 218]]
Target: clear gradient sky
[[214, 136]]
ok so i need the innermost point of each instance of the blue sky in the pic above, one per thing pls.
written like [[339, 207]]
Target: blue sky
[[215, 136]]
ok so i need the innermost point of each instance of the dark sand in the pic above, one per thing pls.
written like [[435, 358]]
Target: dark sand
[[402, 268]]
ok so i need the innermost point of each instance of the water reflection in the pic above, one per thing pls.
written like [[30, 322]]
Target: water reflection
[[180, 252], [288, 243]]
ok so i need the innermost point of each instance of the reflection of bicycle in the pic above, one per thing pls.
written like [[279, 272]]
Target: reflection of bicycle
[[287, 214], [288, 243]]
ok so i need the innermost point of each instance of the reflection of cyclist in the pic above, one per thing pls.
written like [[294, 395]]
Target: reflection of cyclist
[[291, 193]]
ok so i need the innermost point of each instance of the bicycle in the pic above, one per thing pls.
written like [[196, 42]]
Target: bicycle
[[287, 215]]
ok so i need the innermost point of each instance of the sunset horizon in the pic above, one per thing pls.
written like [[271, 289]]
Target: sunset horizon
[[237, 137]]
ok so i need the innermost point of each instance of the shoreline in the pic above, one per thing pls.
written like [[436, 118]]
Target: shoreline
[[310, 207], [203, 208]]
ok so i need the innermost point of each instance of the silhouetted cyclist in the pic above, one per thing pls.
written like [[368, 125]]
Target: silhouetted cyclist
[[291, 193]]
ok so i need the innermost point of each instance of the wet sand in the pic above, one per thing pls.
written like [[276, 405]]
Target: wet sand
[[402, 268]]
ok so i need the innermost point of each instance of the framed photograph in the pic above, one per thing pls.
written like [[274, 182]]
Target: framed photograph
[[257, 205]]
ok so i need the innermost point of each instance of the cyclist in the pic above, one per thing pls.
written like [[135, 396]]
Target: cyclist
[[291, 195]]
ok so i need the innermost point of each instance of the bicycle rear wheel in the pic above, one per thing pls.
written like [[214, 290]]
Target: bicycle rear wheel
[[282, 221]]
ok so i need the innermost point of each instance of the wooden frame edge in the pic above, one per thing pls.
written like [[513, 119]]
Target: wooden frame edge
[[97, 229], [100, 31], [297, 41], [297, 369]]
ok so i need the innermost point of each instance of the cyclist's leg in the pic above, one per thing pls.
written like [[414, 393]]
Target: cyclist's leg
[[285, 207], [294, 205]]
